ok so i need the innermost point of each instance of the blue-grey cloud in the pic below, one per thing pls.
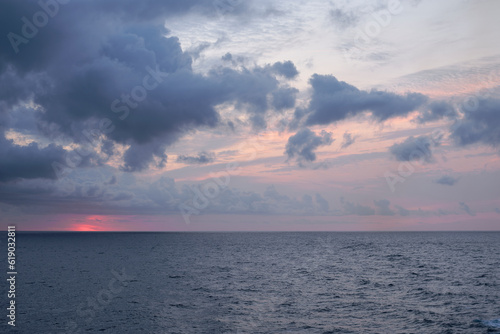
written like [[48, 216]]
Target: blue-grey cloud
[[27, 162], [437, 110], [303, 144], [333, 100], [284, 98], [402, 211], [447, 180], [350, 208], [286, 69], [415, 148], [480, 124], [323, 204], [383, 207], [343, 19], [200, 159], [467, 209], [227, 57], [271, 192], [348, 140], [139, 157], [122, 70]]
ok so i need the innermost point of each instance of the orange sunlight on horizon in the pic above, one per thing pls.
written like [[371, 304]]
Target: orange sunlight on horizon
[[91, 224]]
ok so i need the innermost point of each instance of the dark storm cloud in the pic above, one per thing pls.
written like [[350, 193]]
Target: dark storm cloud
[[140, 156], [480, 124], [249, 88], [447, 180], [109, 61], [28, 162], [333, 100], [61, 26], [437, 110], [16, 87], [415, 148], [21, 118], [200, 159], [284, 98], [303, 144]]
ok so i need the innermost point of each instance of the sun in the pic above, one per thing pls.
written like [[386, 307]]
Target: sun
[[85, 228], [90, 224]]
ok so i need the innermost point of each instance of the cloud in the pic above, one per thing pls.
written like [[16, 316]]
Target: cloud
[[402, 211], [466, 208], [303, 144], [91, 192], [437, 110], [16, 86], [164, 193], [322, 202], [86, 191], [415, 148], [28, 162], [286, 69], [111, 181], [232, 200], [348, 140], [139, 157], [383, 207], [447, 180], [195, 52], [343, 19], [497, 210], [126, 70], [201, 159], [284, 98], [227, 57], [480, 124], [271, 192], [333, 100], [350, 208]]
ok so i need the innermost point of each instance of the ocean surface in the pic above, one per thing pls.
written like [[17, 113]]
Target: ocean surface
[[431, 282]]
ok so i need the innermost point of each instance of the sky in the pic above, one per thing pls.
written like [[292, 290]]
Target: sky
[[232, 115]]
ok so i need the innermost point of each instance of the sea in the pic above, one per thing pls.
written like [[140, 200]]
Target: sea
[[253, 282]]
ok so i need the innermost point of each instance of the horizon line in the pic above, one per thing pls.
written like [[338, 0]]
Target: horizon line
[[235, 231]]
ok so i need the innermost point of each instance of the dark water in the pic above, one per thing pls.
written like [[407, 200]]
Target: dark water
[[257, 283]]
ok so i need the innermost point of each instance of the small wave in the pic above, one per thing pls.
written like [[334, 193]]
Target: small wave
[[491, 323]]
